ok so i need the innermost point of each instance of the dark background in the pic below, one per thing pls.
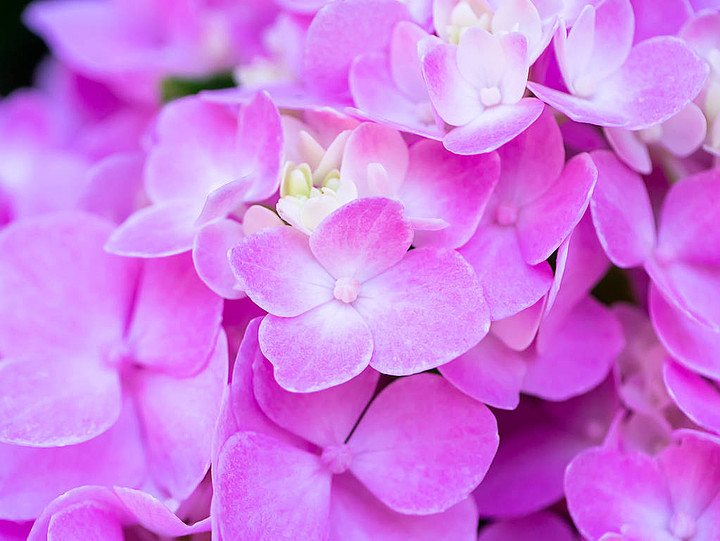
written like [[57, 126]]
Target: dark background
[[20, 49]]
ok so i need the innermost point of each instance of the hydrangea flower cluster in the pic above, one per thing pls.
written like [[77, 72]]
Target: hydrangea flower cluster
[[433, 270]]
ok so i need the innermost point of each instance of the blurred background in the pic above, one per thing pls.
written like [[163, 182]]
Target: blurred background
[[20, 50]]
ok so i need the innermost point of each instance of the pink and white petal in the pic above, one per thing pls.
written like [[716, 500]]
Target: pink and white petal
[[493, 127], [575, 354], [265, 488], [514, 78], [260, 146], [176, 318], [708, 525], [630, 149], [221, 202], [277, 270], [423, 312], [688, 219], [81, 399], [405, 64], [159, 230], [324, 417], [542, 526], [454, 98], [85, 521], [364, 26], [543, 224], [510, 284], [178, 416], [402, 434], [601, 113], [521, 16], [371, 143], [490, 372], [702, 31], [660, 77], [210, 257], [531, 162], [574, 49], [611, 492], [685, 132], [62, 295], [33, 477], [621, 212], [481, 58], [453, 188], [693, 345], [257, 218], [697, 397], [692, 469], [324, 347], [613, 37], [362, 238], [357, 515]]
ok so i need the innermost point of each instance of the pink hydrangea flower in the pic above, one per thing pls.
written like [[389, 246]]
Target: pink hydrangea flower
[[400, 471], [358, 297]]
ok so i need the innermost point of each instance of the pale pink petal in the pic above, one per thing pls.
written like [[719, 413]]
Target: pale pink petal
[[62, 295], [607, 491], [356, 515], [490, 372], [223, 200], [621, 212], [323, 347], [493, 127], [115, 186], [454, 98], [543, 526], [453, 188], [423, 312], [543, 224], [323, 417], [630, 149], [342, 31], [375, 144], [277, 270], [697, 397], [265, 488], [362, 238], [210, 257], [405, 64], [694, 345], [514, 79], [178, 415], [176, 318], [518, 331], [601, 113], [403, 434], [481, 59], [685, 132], [613, 36], [85, 521], [156, 231], [510, 284]]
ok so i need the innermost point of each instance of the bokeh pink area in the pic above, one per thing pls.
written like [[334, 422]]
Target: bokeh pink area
[[363, 270]]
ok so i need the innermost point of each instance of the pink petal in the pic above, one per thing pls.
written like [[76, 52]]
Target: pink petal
[[600, 113], [405, 64], [690, 343], [115, 186], [179, 417], [454, 98], [481, 58], [543, 526], [614, 29], [340, 32], [356, 515], [621, 212], [277, 270], [156, 231], [493, 127], [510, 284], [408, 455], [630, 149], [607, 491], [659, 17], [518, 331], [85, 521], [83, 301], [265, 488], [33, 477], [576, 355], [543, 224], [453, 188], [323, 347], [176, 318], [697, 397], [375, 144], [362, 238], [323, 417], [81, 399], [210, 252], [685, 132], [490, 372], [423, 312]]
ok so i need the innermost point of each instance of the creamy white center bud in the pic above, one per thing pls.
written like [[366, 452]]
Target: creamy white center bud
[[296, 180], [346, 289], [468, 14]]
